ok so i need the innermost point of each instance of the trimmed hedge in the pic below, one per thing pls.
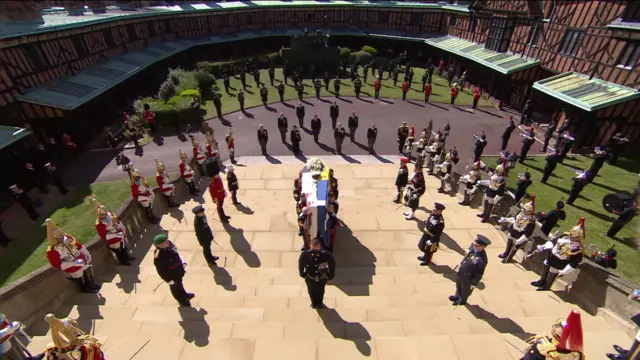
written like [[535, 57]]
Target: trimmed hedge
[[371, 50], [345, 54], [361, 57], [216, 68]]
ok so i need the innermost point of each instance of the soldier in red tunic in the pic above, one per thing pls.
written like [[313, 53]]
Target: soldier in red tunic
[[198, 155], [187, 173], [231, 146], [164, 183], [113, 233], [141, 191], [216, 189], [150, 117], [67, 254]]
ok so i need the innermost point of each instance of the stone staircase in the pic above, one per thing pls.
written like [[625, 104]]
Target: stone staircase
[[382, 305]]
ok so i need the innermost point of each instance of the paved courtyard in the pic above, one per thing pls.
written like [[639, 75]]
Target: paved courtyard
[[382, 305]]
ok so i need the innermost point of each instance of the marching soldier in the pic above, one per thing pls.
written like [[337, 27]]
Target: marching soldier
[[256, 77], [264, 95], [241, 99], [203, 234], [507, 134], [211, 148], [272, 73], [528, 140], [25, 201], [494, 191], [283, 127], [365, 72], [427, 92], [372, 135], [377, 85], [618, 144], [263, 139], [231, 146], [478, 146], [336, 86], [566, 145], [170, 267], [353, 126], [295, 140], [226, 82], [551, 161], [430, 240], [316, 126], [396, 73], [142, 193], [550, 218], [415, 190], [232, 184], [471, 270], [334, 112], [55, 177], [548, 134], [520, 230], [300, 89], [565, 257], [445, 172], [198, 155], [217, 192], [149, 117], [601, 155], [402, 179], [624, 217], [243, 79], [186, 173], [217, 103], [67, 254], [425, 76], [164, 183], [316, 266], [470, 184], [300, 112], [403, 133], [524, 181], [405, 89], [317, 84], [357, 86], [326, 80], [285, 72], [565, 341], [113, 233], [579, 182], [338, 135], [280, 88]]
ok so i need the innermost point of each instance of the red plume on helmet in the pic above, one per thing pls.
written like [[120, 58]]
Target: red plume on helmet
[[533, 203], [412, 132], [581, 224], [571, 338]]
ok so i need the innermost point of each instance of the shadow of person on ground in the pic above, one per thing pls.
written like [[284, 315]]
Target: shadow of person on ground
[[244, 209], [339, 328], [300, 156], [196, 329], [272, 160], [247, 114], [386, 101], [349, 159], [438, 106], [288, 105], [592, 212], [158, 139], [348, 252], [222, 277], [345, 100], [445, 270], [489, 113], [182, 138], [326, 148], [415, 103], [240, 245], [381, 159], [501, 325], [306, 102], [452, 244], [365, 100]]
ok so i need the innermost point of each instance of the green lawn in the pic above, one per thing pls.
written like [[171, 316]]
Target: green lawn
[[589, 204], [76, 215], [440, 92]]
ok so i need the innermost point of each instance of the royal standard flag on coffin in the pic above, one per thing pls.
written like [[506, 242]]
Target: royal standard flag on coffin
[[317, 193]]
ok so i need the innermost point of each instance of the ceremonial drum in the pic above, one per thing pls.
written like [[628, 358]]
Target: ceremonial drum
[[315, 185]]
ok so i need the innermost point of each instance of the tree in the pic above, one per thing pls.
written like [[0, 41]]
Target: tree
[[166, 91]]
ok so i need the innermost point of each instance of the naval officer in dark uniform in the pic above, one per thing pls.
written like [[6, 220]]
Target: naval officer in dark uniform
[[204, 234], [579, 182], [171, 268], [624, 217], [550, 218], [316, 266], [551, 163], [430, 240], [471, 270]]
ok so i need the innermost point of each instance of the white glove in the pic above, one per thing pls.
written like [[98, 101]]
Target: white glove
[[171, 282], [414, 196], [540, 247], [566, 271], [501, 220], [80, 262], [548, 245], [429, 243], [521, 240]]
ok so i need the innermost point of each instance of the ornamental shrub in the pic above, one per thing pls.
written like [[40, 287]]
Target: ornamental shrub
[[166, 91], [345, 54], [371, 50], [361, 57]]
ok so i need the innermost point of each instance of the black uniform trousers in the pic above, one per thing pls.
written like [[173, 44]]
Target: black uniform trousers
[[339, 146], [463, 288], [505, 142], [296, 147], [616, 226], [573, 194], [401, 141], [283, 135], [316, 291], [315, 135], [27, 205], [178, 292], [122, 254], [546, 143]]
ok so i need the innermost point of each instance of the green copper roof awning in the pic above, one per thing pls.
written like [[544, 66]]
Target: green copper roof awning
[[504, 63], [10, 134], [587, 94]]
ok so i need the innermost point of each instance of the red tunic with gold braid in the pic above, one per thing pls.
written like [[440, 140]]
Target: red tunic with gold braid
[[199, 155], [216, 189], [112, 232], [185, 173], [63, 256], [142, 193], [164, 184]]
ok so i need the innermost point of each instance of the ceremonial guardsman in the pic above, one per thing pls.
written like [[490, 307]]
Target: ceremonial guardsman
[[70, 342], [216, 189], [470, 184], [565, 257], [198, 155], [579, 183], [478, 146], [529, 139], [231, 146], [141, 191], [402, 179], [445, 172], [565, 342], [112, 231], [551, 162], [232, 184], [170, 267], [520, 229], [403, 133], [9, 350], [67, 254], [316, 266], [566, 145], [333, 185], [494, 191], [430, 240], [524, 181], [164, 183], [212, 149], [408, 144], [187, 173], [550, 218], [415, 190], [471, 270]]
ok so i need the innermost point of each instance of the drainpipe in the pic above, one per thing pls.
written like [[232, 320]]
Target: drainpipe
[[535, 31]]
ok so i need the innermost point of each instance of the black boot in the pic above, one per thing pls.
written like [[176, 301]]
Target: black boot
[[152, 218], [465, 199], [80, 284], [486, 211], [506, 255], [171, 203], [551, 278], [543, 277]]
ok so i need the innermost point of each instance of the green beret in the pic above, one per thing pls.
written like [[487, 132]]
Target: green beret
[[160, 238]]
